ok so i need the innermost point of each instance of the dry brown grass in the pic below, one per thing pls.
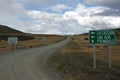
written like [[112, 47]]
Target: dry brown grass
[[75, 61], [37, 42]]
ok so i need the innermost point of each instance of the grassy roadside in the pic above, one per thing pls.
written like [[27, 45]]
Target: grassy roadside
[[75, 61], [25, 40], [31, 41]]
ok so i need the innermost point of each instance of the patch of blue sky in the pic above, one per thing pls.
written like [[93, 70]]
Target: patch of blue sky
[[25, 18], [90, 5], [31, 6], [72, 3], [35, 6], [60, 12], [49, 11]]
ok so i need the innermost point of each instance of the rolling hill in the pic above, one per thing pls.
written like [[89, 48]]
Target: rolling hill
[[6, 29], [26, 40], [6, 32]]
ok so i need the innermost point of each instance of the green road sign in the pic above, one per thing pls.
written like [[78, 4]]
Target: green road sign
[[102, 37]]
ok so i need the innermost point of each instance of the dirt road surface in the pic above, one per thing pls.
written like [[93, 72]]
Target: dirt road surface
[[29, 64]]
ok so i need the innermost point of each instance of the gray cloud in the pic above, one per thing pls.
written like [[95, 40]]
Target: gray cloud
[[10, 10], [115, 4], [11, 7], [109, 12], [75, 21]]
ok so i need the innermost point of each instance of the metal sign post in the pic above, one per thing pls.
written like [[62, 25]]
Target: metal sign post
[[110, 56], [94, 56]]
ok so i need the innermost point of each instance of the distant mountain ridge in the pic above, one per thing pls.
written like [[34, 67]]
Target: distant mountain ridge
[[6, 29]]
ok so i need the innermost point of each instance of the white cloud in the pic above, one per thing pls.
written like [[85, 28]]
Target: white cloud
[[50, 23], [79, 20], [86, 17], [59, 8], [44, 16]]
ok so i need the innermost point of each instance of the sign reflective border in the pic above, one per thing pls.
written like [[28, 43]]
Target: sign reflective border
[[102, 37]]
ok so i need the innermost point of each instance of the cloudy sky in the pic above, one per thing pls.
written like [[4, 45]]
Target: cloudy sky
[[60, 16]]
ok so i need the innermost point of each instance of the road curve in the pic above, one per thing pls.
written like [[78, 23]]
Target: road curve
[[30, 64]]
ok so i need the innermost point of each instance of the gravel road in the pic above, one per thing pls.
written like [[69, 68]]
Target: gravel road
[[29, 64]]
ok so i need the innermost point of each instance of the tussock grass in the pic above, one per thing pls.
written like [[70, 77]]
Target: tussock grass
[[30, 41], [75, 61]]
